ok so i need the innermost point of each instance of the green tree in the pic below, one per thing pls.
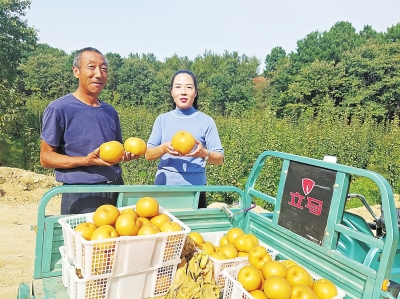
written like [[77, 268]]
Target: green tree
[[342, 37], [16, 37], [18, 130], [308, 49], [328, 45], [205, 65], [338, 66], [393, 33], [369, 33], [11, 105], [280, 81], [16, 40], [176, 63], [374, 72], [48, 75], [110, 92], [159, 97], [115, 62], [45, 49], [228, 81], [316, 84], [136, 75], [272, 59]]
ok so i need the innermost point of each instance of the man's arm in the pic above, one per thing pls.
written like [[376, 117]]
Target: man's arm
[[49, 158]]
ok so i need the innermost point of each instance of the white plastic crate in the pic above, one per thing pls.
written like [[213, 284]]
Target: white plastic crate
[[152, 283], [64, 266], [234, 290], [122, 255], [220, 265]]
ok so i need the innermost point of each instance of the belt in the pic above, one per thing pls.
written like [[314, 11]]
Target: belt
[[108, 182], [99, 183]]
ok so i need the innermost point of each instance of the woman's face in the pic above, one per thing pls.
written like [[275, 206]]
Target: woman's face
[[183, 91]]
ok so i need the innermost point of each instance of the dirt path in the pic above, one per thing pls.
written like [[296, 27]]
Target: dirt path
[[20, 192]]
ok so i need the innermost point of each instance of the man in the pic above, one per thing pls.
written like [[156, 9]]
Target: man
[[74, 127]]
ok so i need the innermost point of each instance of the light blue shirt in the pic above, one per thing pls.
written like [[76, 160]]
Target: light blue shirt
[[184, 170]]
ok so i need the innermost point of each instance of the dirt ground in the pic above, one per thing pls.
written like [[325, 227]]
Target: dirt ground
[[20, 192]]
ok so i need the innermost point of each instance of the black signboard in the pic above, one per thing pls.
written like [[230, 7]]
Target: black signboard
[[306, 200]]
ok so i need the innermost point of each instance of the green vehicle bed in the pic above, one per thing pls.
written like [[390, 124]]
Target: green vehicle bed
[[307, 224]]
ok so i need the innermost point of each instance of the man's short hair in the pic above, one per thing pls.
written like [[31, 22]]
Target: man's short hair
[[78, 56]]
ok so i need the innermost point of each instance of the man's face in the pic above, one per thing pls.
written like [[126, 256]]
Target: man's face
[[92, 73]]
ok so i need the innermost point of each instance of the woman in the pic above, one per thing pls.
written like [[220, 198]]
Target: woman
[[190, 169]]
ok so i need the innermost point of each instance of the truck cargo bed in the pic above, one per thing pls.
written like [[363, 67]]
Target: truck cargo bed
[[307, 224]]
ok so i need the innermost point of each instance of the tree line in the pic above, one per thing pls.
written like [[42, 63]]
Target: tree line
[[355, 72], [353, 76]]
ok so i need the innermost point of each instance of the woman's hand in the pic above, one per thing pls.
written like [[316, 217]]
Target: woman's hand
[[200, 151], [168, 149], [153, 153]]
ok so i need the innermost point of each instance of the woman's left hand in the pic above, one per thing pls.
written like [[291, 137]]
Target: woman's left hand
[[200, 151]]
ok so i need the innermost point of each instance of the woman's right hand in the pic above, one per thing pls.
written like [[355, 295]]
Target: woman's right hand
[[168, 149], [153, 153]]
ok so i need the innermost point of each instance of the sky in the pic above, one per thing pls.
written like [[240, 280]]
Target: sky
[[190, 28]]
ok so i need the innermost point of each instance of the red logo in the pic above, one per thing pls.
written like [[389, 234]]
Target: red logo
[[308, 185]]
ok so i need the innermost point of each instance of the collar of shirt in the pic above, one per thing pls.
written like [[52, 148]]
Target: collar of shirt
[[185, 112]]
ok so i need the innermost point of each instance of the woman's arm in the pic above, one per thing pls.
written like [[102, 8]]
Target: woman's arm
[[211, 157], [215, 158], [153, 153]]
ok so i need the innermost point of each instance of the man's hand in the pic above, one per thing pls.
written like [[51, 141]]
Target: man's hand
[[93, 158], [128, 156]]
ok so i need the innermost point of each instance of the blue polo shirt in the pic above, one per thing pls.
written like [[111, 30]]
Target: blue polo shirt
[[77, 129]]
